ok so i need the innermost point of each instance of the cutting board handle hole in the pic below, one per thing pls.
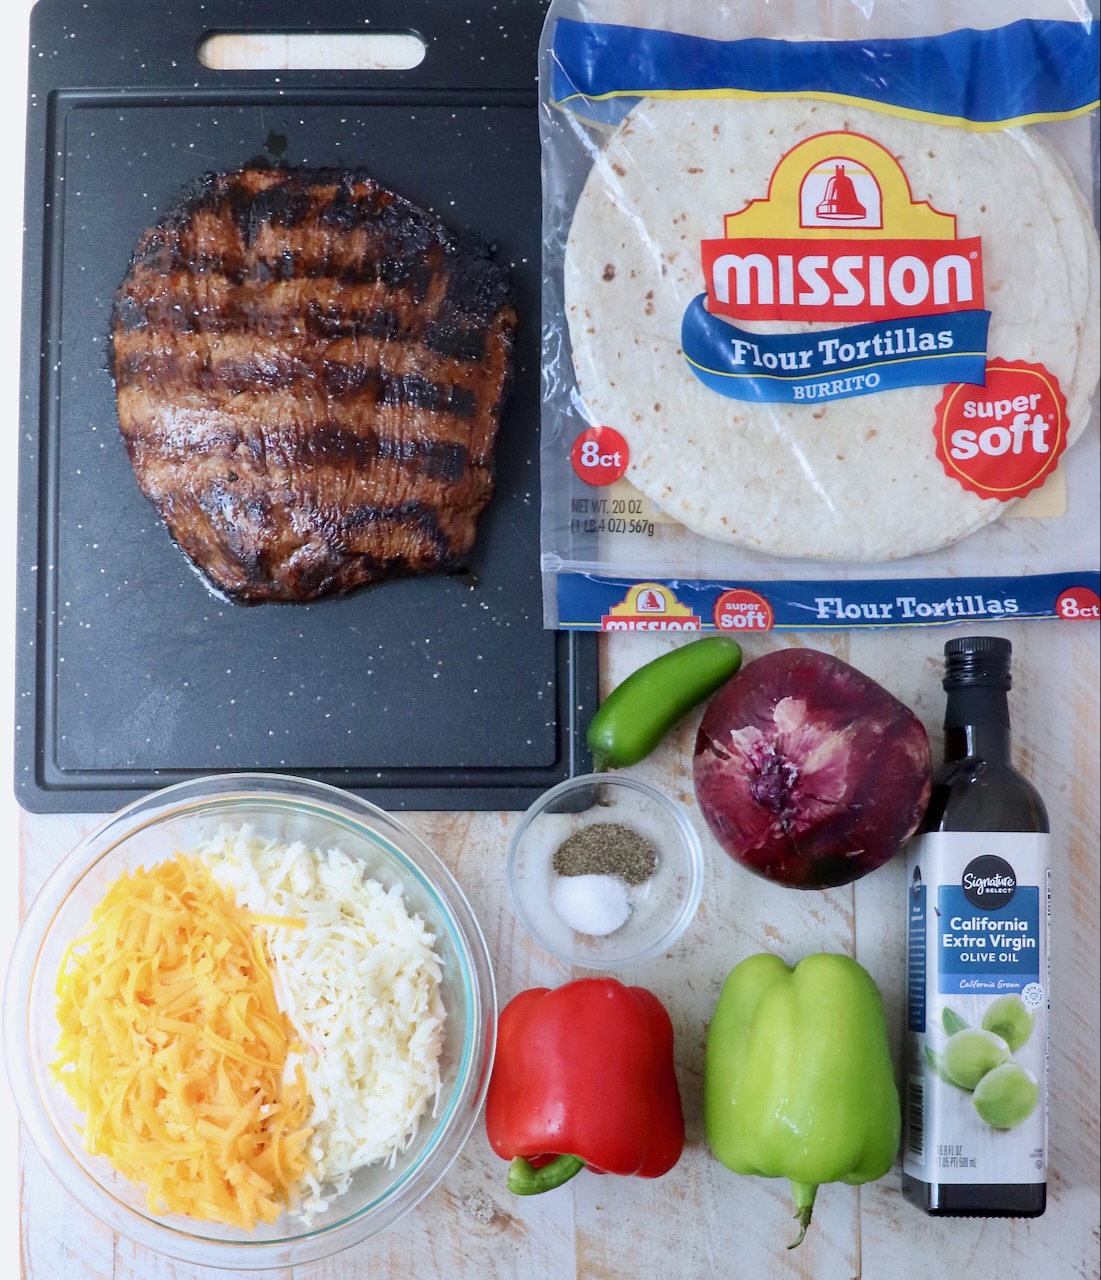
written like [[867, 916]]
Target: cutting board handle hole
[[311, 51]]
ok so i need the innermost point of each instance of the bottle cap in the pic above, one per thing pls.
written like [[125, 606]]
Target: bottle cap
[[977, 660]]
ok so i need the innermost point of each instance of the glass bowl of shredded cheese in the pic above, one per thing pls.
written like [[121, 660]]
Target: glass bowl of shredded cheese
[[250, 1020], [605, 871]]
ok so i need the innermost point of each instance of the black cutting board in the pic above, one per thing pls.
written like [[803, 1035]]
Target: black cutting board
[[432, 693]]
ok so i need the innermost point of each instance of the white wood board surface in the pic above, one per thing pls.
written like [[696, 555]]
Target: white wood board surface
[[700, 1220]]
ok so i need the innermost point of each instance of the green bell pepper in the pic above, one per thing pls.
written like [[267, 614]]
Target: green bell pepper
[[798, 1080]]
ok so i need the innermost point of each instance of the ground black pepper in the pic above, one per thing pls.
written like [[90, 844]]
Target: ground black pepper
[[606, 849]]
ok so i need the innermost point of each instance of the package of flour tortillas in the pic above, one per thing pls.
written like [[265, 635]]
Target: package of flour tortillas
[[820, 314]]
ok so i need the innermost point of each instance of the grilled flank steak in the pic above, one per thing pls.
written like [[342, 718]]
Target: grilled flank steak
[[310, 374]]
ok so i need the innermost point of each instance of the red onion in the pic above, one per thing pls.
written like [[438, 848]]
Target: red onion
[[809, 772]]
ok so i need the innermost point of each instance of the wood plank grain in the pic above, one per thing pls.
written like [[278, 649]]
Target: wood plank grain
[[702, 1221], [1055, 673]]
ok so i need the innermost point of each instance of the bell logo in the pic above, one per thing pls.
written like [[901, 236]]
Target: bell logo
[[829, 194], [650, 606]]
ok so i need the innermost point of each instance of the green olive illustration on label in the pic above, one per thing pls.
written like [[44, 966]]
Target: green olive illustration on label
[[1008, 1017], [1006, 1096], [971, 1053]]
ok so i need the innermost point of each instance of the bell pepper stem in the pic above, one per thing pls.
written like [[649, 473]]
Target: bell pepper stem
[[524, 1179], [803, 1194]]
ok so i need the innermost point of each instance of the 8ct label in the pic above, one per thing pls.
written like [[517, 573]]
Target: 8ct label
[[1078, 604], [599, 455]]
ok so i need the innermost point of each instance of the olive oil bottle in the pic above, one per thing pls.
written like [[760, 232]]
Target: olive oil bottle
[[977, 962]]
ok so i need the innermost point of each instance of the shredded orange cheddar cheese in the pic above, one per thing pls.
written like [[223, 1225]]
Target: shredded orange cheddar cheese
[[173, 1047]]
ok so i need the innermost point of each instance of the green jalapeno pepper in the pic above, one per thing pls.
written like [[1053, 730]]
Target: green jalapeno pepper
[[641, 710]]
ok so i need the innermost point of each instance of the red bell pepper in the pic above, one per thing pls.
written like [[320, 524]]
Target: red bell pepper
[[584, 1078]]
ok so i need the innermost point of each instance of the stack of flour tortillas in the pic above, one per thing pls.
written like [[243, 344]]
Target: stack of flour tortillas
[[853, 479]]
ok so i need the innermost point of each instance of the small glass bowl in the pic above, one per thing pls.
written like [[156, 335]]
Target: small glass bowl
[[661, 907]]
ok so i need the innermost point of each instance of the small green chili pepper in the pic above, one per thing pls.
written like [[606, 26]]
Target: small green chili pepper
[[638, 713]]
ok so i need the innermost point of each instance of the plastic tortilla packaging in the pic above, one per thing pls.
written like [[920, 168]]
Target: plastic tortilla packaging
[[820, 315]]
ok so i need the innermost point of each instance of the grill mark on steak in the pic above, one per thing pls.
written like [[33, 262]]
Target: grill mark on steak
[[388, 240], [167, 259], [272, 470], [241, 541], [336, 379], [445, 338], [328, 442], [474, 295], [310, 376], [332, 322]]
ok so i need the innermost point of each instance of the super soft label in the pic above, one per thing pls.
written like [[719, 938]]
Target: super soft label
[[1003, 439]]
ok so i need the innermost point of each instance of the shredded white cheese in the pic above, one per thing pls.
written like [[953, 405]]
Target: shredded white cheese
[[360, 983]]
